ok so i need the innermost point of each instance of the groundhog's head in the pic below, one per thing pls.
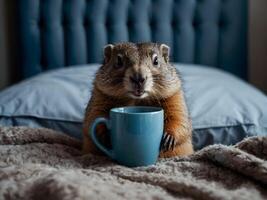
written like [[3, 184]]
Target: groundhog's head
[[137, 71]]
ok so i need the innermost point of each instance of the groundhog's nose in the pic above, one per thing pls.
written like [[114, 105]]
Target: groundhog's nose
[[138, 79]]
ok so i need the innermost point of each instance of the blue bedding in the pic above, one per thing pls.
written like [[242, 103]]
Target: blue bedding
[[224, 109]]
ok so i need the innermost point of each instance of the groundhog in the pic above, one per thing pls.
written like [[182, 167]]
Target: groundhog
[[140, 75]]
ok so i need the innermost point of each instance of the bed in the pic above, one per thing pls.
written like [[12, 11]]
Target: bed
[[61, 44]]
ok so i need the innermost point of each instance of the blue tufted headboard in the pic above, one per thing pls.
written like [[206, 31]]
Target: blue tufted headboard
[[59, 33]]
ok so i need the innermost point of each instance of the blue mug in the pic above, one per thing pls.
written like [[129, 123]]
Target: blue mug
[[135, 132]]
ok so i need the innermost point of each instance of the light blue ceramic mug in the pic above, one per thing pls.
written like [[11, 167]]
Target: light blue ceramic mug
[[135, 133]]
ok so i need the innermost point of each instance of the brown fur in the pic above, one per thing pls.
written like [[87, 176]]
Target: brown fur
[[112, 86]]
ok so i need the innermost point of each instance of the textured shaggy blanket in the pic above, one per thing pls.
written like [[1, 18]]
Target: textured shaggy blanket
[[44, 164]]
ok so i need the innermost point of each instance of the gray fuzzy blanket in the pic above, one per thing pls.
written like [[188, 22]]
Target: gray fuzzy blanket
[[44, 164]]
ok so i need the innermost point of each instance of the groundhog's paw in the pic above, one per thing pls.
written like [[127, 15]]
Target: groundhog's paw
[[168, 142]]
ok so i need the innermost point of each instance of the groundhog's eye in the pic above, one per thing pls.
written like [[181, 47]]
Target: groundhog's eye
[[155, 59], [119, 61]]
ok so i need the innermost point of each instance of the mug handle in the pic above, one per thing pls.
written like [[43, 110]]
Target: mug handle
[[94, 138]]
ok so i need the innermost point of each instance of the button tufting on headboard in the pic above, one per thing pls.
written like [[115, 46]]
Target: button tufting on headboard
[[59, 33]]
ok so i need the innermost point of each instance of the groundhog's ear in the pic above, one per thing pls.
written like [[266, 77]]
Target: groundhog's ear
[[165, 51], [108, 52]]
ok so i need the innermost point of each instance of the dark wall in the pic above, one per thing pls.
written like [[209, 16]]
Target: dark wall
[[9, 72], [258, 44], [3, 54]]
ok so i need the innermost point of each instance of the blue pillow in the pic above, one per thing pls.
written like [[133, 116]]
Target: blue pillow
[[224, 109]]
